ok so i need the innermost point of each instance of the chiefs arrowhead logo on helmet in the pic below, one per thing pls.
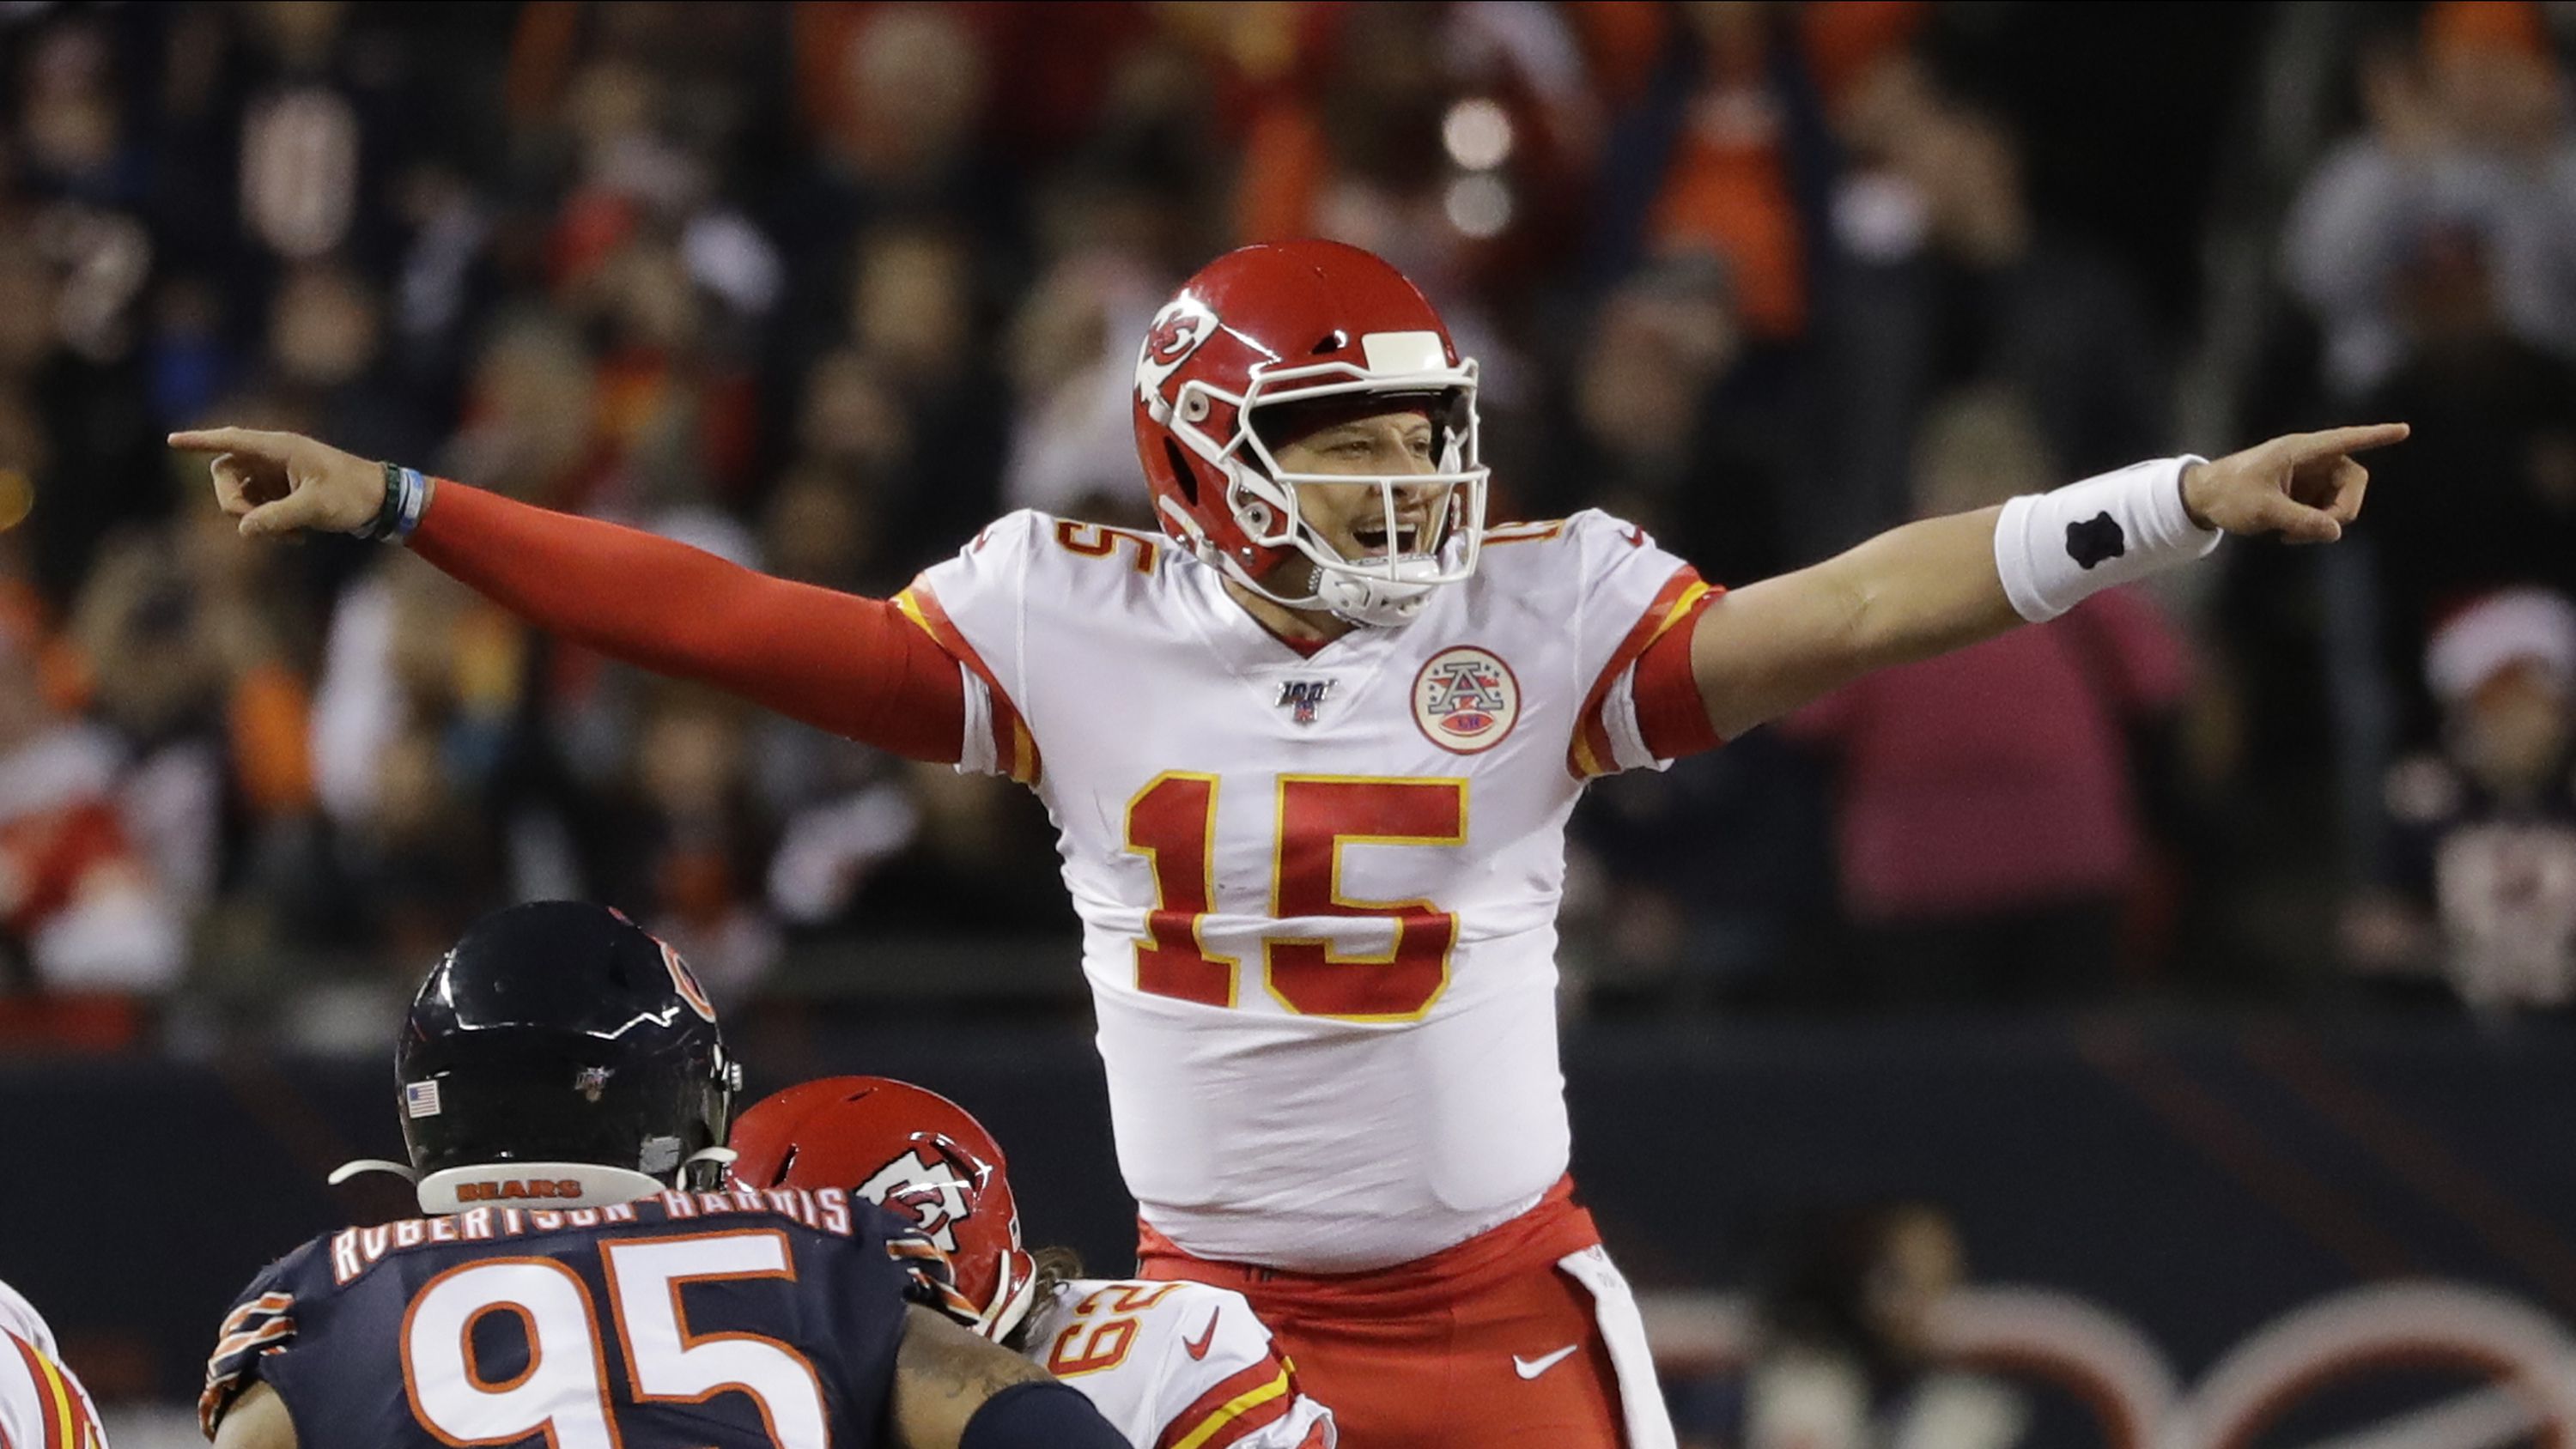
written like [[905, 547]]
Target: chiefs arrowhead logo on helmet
[[909, 1150], [1178, 329], [930, 1188]]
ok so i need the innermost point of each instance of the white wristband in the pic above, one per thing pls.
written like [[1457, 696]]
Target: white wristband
[[2054, 549]]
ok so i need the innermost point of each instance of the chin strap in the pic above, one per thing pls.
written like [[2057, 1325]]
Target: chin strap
[[1374, 603], [1015, 1292], [1380, 603]]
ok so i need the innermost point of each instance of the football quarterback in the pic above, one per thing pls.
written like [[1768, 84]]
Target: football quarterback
[[1311, 748]]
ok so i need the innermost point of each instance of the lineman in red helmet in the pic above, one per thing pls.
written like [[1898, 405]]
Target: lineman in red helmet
[[1312, 752], [1168, 1363]]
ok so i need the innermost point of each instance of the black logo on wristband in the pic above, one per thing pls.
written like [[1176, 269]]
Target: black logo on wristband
[[2094, 540]]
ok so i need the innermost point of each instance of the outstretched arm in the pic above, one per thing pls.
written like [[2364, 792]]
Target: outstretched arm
[[1942, 584], [850, 665]]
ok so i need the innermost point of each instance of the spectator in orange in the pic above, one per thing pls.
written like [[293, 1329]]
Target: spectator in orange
[[1727, 189]]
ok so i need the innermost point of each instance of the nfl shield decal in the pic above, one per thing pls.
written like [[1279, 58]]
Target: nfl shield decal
[[1465, 699]]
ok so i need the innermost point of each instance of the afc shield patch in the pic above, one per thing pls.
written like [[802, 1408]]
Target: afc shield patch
[[1465, 700]]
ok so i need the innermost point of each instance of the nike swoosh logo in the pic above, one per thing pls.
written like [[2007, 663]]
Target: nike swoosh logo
[[1198, 1347], [1530, 1368], [1636, 536]]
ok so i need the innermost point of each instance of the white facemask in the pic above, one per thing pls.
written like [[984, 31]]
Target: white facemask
[[1382, 592]]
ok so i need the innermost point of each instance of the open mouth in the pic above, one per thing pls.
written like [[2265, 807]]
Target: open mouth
[[1373, 540]]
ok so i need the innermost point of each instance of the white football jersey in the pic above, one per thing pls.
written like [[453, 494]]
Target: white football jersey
[[41, 1405], [1176, 1366], [1318, 891]]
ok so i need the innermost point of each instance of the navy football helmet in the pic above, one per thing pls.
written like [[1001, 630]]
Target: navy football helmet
[[560, 1056]]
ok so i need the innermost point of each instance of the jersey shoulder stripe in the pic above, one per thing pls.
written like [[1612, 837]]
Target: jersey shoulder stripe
[[264, 1323], [1013, 746], [1613, 592], [1030, 590], [930, 1276], [60, 1406], [1683, 594], [1238, 1407]]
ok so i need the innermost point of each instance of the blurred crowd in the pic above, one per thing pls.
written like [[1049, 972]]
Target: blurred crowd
[[823, 288]]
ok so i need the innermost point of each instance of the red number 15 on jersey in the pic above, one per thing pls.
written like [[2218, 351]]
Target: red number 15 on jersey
[[1172, 823]]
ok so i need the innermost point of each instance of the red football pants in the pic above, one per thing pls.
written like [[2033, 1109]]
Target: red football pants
[[1486, 1343]]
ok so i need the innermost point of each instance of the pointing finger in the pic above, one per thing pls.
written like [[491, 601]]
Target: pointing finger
[[254, 441], [2305, 446]]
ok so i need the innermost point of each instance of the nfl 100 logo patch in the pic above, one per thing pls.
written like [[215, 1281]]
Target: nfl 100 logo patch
[[1302, 697], [1465, 699]]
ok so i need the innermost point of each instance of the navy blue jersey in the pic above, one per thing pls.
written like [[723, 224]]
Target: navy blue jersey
[[677, 1322]]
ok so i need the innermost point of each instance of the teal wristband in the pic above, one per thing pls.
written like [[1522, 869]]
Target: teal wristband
[[406, 495]]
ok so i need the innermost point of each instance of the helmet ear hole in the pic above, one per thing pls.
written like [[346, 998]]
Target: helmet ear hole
[[1181, 470]]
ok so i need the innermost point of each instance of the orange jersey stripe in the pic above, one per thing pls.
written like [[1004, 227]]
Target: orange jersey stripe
[[264, 1303], [252, 1338]]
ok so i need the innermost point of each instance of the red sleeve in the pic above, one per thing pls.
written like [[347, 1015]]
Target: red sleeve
[[1678, 602], [1671, 715], [854, 666]]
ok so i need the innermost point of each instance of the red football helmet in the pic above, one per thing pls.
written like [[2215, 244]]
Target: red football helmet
[[910, 1150], [1285, 322]]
